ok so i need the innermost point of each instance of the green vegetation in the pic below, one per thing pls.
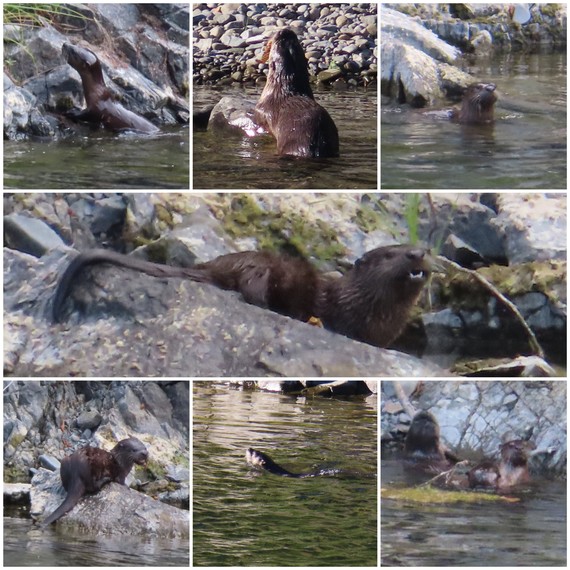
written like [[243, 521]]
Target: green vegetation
[[293, 234], [36, 14], [431, 495], [412, 214]]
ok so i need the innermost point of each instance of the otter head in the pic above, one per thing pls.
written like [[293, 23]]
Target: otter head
[[423, 436], [515, 453], [402, 270], [129, 451], [288, 72], [254, 457], [82, 59], [478, 103], [86, 63]]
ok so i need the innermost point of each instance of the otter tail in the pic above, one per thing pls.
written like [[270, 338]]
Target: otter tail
[[105, 256], [65, 507]]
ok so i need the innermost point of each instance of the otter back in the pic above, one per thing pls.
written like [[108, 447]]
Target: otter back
[[88, 469], [287, 107], [370, 303]]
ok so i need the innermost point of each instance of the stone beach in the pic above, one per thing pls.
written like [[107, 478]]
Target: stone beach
[[339, 41]]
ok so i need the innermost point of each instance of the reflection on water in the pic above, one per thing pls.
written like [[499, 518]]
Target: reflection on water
[[525, 148], [31, 545], [246, 518], [531, 532], [234, 162], [101, 160]]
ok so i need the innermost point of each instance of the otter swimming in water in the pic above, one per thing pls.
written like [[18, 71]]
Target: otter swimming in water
[[287, 106], [510, 471], [370, 303], [423, 449], [260, 459], [477, 105], [101, 109], [88, 469]]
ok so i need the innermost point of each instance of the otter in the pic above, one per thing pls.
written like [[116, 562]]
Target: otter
[[88, 469], [510, 471], [423, 449], [370, 303], [478, 104], [101, 109], [287, 106], [260, 459]]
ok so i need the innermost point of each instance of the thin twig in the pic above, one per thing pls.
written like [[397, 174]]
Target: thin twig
[[534, 344]]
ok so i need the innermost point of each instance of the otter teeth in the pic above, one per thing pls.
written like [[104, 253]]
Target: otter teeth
[[418, 274]]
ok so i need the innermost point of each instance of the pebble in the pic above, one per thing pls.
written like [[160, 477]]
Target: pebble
[[229, 40]]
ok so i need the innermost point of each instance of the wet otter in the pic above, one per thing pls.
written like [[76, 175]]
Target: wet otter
[[370, 303], [88, 469], [287, 107], [512, 469], [101, 109], [423, 449], [260, 459], [477, 105]]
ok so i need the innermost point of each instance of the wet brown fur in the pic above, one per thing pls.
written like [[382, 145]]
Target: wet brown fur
[[477, 105], [423, 448], [370, 303], [510, 471], [100, 107], [88, 469], [287, 107]]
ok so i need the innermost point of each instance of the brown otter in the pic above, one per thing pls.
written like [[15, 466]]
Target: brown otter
[[478, 104], [370, 303], [287, 107], [260, 459], [86, 471], [512, 469], [101, 109], [423, 448]]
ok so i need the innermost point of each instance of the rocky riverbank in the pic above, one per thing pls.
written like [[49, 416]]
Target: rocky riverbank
[[339, 41]]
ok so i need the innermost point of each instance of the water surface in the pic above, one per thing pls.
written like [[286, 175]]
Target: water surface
[[246, 518], [524, 149], [100, 160], [31, 545], [234, 162], [531, 532]]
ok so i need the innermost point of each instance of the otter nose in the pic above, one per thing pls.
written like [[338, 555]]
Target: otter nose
[[418, 253], [490, 87]]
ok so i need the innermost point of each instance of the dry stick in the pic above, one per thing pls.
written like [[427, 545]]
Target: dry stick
[[534, 344], [447, 473], [403, 399]]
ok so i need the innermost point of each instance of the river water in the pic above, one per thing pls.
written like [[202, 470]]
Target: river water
[[26, 544], [235, 162], [525, 148], [530, 532], [101, 160], [245, 518]]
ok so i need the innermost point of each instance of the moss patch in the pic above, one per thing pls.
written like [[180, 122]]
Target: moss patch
[[431, 495], [292, 234]]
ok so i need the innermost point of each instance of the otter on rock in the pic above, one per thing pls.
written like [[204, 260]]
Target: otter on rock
[[370, 303], [477, 105], [101, 109], [287, 107], [88, 469], [512, 469], [423, 449]]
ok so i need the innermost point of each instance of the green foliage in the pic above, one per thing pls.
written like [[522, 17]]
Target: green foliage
[[274, 232], [412, 215], [36, 14]]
